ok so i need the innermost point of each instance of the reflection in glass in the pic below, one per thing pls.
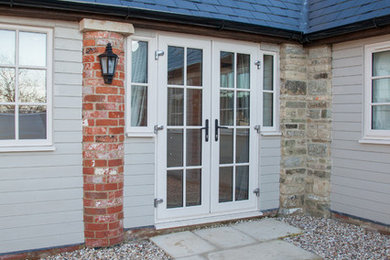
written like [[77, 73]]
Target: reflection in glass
[[225, 184], [7, 85], [242, 145], [32, 122], [225, 146], [7, 122], [175, 147], [243, 71], [381, 63], [174, 189], [227, 69], [242, 182], [32, 49], [7, 47], [194, 147], [32, 86], [175, 106], [226, 104], [381, 90], [193, 187], [268, 109], [175, 65], [139, 62], [242, 108], [381, 117], [194, 67], [268, 69], [139, 106], [194, 107]]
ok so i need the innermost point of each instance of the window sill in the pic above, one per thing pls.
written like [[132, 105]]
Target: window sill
[[371, 140], [10, 149], [139, 134], [274, 133]]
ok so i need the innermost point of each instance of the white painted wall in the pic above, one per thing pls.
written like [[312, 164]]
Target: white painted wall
[[41, 192], [361, 172]]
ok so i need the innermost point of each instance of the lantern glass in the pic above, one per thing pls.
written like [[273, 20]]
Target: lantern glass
[[103, 62], [111, 65], [108, 61]]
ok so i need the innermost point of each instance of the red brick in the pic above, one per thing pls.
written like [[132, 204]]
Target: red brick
[[106, 90], [116, 114], [101, 234], [89, 234], [94, 98], [106, 122], [116, 99], [88, 42], [93, 211], [97, 242], [95, 195], [88, 170], [88, 219], [87, 106], [105, 187], [106, 139], [116, 130], [101, 163], [95, 130], [115, 209], [96, 226], [117, 162], [88, 138], [116, 240], [113, 225], [88, 187], [106, 106], [88, 58]]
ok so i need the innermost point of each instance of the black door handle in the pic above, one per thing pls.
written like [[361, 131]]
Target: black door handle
[[206, 127], [217, 127]]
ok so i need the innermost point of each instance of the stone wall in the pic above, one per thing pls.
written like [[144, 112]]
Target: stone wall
[[305, 122]]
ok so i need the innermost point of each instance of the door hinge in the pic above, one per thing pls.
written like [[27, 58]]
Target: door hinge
[[158, 53], [257, 192], [257, 128], [158, 128], [258, 64], [157, 201]]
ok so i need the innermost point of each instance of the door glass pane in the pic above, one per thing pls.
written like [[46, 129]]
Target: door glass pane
[[139, 105], [7, 122], [175, 65], [225, 146], [194, 67], [381, 117], [242, 145], [226, 104], [243, 108], [32, 86], [380, 90], [7, 47], [175, 147], [227, 69], [225, 184], [174, 189], [139, 62], [381, 63], [268, 69], [7, 85], [194, 147], [268, 105], [32, 49], [242, 182], [175, 106], [193, 187], [194, 107], [243, 71], [32, 122]]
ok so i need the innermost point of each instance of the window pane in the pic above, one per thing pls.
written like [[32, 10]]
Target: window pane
[[194, 67], [242, 182], [227, 69], [139, 62], [381, 63], [174, 189], [243, 108], [32, 49], [32, 122], [7, 122], [175, 65], [194, 107], [7, 85], [268, 70], [226, 146], [242, 147], [381, 117], [225, 184], [226, 112], [194, 147], [175, 148], [175, 106], [193, 187], [32, 86], [381, 90], [268, 107], [7, 47], [243, 71], [139, 106]]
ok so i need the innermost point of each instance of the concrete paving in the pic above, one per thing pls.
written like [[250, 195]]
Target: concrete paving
[[247, 240]]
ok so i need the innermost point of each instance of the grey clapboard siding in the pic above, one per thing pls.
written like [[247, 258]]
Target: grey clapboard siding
[[41, 192], [360, 172]]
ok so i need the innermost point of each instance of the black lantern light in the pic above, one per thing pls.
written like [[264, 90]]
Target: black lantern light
[[108, 61]]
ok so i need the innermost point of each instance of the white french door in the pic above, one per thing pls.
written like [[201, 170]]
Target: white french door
[[207, 148]]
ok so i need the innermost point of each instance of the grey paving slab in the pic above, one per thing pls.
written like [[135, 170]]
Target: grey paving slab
[[266, 229], [182, 244], [194, 257], [225, 237], [269, 250]]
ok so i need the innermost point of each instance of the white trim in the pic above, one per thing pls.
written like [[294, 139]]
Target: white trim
[[49, 148], [271, 133], [374, 141]]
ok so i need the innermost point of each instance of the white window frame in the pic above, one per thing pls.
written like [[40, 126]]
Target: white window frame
[[142, 131], [38, 144], [372, 135], [274, 129]]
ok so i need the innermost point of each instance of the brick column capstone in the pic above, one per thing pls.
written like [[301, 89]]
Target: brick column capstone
[[103, 137]]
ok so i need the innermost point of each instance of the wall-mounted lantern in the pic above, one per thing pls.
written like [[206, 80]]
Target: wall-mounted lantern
[[108, 61]]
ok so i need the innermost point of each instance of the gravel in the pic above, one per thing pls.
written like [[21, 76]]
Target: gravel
[[332, 239]]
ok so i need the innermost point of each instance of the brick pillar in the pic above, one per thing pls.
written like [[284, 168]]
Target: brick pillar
[[103, 137]]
